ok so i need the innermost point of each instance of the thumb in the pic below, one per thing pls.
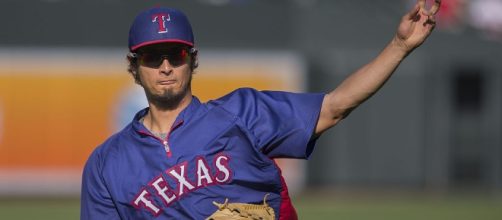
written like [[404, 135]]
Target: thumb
[[413, 13]]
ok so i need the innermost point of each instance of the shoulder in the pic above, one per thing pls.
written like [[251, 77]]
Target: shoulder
[[235, 96], [249, 99], [235, 100], [248, 96], [110, 147]]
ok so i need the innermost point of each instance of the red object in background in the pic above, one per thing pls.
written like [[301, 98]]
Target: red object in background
[[450, 14]]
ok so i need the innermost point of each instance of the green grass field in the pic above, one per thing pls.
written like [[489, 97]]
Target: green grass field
[[317, 206], [409, 207]]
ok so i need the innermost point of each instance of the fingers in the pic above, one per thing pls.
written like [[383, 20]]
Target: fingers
[[423, 16], [431, 20], [421, 3], [434, 9], [413, 13]]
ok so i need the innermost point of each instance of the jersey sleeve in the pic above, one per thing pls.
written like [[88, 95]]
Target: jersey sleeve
[[96, 202], [282, 123]]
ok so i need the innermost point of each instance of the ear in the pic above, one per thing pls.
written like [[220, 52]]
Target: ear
[[133, 67], [132, 57], [195, 58]]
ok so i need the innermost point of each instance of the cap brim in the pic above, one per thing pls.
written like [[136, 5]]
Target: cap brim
[[135, 47]]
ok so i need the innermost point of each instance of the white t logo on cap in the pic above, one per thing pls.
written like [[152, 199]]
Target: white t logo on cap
[[161, 19]]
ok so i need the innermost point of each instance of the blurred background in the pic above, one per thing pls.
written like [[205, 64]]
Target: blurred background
[[427, 146]]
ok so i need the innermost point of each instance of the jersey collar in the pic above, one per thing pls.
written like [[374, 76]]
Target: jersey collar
[[183, 117]]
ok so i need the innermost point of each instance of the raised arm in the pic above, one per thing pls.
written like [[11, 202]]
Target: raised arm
[[414, 28]]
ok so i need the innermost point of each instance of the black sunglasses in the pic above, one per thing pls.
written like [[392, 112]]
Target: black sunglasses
[[176, 56]]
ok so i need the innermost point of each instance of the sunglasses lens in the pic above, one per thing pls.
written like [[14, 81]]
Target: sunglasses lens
[[176, 56], [150, 60]]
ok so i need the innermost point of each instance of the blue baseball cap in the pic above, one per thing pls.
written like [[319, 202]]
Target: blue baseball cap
[[160, 25]]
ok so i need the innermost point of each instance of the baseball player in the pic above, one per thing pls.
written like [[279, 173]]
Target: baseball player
[[183, 159]]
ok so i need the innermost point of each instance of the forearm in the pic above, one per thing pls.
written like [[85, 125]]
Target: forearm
[[359, 86], [363, 83]]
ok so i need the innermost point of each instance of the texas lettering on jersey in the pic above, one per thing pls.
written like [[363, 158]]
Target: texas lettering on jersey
[[185, 182]]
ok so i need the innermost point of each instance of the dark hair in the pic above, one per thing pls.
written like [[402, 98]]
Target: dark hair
[[133, 65]]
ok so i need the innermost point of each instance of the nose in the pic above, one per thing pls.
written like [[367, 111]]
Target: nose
[[165, 66]]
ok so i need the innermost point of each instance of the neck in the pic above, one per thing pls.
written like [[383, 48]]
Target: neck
[[160, 119]]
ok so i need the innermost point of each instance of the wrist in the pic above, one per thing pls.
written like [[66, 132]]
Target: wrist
[[398, 47]]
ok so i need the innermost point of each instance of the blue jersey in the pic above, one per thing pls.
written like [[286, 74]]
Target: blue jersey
[[219, 150]]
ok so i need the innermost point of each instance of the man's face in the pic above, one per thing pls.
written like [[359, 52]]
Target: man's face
[[165, 73]]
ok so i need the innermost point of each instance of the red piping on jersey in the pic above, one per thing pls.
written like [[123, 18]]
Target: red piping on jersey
[[286, 211], [169, 150]]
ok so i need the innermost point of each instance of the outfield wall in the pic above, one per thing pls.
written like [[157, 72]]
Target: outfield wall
[[57, 105]]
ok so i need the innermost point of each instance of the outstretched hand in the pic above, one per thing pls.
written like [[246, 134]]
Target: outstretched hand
[[414, 28]]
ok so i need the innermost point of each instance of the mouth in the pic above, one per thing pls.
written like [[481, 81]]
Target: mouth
[[166, 82]]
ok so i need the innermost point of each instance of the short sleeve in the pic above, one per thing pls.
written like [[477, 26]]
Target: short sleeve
[[282, 123], [96, 202]]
